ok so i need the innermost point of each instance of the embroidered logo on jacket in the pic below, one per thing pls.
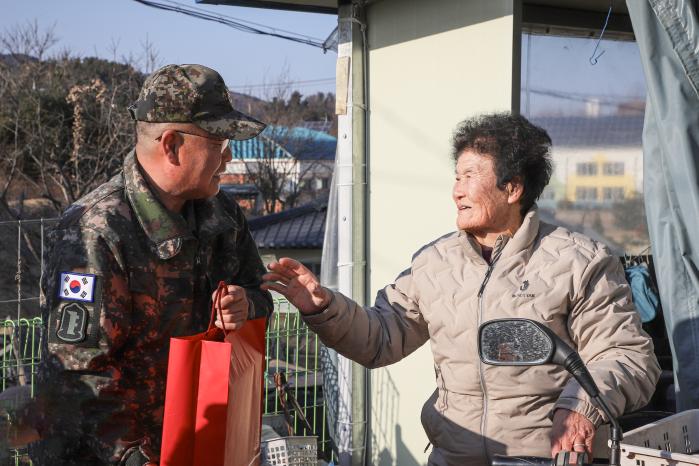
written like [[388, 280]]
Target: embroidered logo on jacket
[[523, 287], [73, 325]]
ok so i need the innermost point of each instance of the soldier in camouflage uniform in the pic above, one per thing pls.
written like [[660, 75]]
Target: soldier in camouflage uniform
[[134, 263]]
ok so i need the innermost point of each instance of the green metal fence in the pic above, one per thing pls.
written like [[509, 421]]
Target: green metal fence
[[292, 349], [20, 352], [20, 346]]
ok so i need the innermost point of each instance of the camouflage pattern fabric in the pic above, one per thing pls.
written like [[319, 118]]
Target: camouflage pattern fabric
[[101, 385], [193, 94]]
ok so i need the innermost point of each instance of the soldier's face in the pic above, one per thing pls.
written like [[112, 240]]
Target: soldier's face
[[202, 163]]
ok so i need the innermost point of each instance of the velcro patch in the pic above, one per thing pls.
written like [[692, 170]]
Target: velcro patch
[[75, 286], [73, 325]]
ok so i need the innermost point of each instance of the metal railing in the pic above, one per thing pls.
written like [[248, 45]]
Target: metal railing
[[20, 347], [293, 350], [20, 353]]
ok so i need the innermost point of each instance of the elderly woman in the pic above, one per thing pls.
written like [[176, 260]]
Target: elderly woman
[[501, 262]]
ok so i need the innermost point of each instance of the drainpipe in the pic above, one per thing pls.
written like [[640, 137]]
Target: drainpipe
[[351, 204], [360, 152]]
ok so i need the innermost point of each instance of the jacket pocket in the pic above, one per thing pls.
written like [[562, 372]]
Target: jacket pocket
[[442, 400], [429, 417]]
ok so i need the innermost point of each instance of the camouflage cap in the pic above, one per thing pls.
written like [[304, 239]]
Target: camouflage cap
[[192, 94]]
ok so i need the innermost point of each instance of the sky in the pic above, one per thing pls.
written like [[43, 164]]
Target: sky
[[94, 27], [561, 65], [247, 61]]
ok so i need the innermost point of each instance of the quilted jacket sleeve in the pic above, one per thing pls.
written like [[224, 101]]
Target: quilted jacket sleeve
[[377, 336], [606, 329]]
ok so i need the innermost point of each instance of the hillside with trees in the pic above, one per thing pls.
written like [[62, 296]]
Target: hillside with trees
[[64, 124]]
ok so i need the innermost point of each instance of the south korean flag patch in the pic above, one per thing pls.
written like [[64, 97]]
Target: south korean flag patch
[[74, 286]]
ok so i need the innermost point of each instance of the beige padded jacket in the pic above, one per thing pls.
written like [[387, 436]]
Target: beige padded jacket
[[562, 279]]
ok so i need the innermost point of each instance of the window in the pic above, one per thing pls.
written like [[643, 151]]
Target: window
[[613, 194], [320, 183], [587, 169], [594, 116], [613, 169], [585, 194]]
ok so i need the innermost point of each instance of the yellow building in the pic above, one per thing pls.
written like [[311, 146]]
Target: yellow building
[[600, 179], [597, 160]]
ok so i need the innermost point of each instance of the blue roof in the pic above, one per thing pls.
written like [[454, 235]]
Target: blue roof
[[283, 142]]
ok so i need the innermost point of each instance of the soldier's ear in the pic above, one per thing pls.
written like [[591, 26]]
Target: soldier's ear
[[170, 141]]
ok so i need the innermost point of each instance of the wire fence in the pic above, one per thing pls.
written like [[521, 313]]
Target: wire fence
[[292, 349]]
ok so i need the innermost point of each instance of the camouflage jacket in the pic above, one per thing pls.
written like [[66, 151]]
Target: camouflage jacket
[[124, 275]]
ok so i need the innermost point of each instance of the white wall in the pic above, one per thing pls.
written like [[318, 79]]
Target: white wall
[[432, 63]]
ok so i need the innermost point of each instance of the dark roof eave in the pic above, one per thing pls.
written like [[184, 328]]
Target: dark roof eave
[[273, 5], [290, 246]]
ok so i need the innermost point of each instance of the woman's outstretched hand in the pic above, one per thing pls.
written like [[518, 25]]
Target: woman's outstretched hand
[[298, 284]]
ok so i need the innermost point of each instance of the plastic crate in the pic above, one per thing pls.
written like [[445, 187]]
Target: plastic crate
[[290, 451], [673, 441]]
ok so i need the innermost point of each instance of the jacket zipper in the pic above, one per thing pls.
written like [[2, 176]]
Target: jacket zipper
[[488, 273]]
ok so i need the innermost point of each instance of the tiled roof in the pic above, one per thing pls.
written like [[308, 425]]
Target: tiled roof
[[603, 131], [236, 190], [300, 143], [298, 228]]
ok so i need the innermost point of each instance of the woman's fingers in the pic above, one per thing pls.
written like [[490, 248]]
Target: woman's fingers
[[292, 264], [282, 270], [274, 286], [275, 277]]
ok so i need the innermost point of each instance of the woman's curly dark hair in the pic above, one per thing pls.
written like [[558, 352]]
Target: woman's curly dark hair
[[519, 150]]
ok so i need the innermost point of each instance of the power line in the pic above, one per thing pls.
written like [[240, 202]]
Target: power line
[[284, 84], [579, 97], [203, 14]]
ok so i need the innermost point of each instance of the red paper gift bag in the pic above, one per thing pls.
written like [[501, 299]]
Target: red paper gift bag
[[244, 423], [197, 401]]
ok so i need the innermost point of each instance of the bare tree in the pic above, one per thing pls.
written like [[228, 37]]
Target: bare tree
[[280, 177], [64, 128], [283, 160]]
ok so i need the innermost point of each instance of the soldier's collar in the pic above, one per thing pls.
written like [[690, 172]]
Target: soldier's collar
[[165, 229], [212, 217]]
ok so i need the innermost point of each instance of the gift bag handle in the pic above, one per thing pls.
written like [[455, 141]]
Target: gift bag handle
[[221, 291]]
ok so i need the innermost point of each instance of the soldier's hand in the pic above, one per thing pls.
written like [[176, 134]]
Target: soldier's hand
[[298, 284], [234, 307]]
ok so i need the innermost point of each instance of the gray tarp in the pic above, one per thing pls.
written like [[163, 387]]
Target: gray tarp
[[667, 35], [328, 277]]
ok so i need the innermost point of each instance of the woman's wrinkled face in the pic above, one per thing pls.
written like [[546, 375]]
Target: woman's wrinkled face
[[482, 207]]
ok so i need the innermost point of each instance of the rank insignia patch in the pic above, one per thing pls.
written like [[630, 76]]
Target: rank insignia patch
[[74, 286], [73, 325]]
